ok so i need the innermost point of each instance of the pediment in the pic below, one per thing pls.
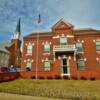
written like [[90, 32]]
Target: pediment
[[62, 25]]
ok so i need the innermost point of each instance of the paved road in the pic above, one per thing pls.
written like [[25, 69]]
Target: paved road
[[6, 96]]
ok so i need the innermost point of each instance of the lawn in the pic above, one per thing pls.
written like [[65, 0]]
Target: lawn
[[67, 89]]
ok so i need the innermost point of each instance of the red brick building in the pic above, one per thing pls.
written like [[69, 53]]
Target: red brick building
[[63, 52]]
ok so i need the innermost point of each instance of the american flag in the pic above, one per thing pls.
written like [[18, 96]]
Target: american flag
[[39, 18]]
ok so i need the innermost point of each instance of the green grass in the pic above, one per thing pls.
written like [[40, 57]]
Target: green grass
[[68, 89]]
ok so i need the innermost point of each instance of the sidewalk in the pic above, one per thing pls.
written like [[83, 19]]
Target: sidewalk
[[7, 96]]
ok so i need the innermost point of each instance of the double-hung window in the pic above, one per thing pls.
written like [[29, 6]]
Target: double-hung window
[[47, 48], [81, 64], [79, 47], [98, 45], [47, 65], [28, 65], [29, 49], [63, 40]]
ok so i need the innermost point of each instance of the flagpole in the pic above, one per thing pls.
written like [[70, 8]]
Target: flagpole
[[39, 20], [37, 55]]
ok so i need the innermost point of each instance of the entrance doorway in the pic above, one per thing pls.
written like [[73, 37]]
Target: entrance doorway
[[64, 65]]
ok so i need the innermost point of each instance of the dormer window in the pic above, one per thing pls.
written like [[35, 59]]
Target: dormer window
[[63, 40]]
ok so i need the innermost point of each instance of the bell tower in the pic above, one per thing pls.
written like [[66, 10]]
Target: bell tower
[[14, 48]]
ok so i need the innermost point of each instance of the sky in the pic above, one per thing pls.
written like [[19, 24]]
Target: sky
[[80, 13]]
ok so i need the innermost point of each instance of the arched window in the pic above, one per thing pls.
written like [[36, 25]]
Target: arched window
[[29, 49]]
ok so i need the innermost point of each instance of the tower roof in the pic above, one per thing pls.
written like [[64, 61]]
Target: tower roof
[[18, 27]]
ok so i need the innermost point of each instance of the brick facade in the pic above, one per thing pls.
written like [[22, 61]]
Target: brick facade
[[63, 58]]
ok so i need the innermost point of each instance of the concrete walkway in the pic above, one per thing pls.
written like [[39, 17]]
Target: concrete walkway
[[7, 96]]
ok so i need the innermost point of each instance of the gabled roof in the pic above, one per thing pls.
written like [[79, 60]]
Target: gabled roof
[[86, 31], [61, 21], [3, 45]]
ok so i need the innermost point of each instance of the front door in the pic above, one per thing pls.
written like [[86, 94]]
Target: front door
[[64, 66]]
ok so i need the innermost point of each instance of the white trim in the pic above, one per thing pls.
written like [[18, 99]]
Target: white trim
[[59, 57], [69, 57], [82, 41], [97, 58], [74, 58], [94, 41], [42, 43], [26, 44], [98, 39], [28, 59], [65, 74], [62, 34], [24, 61], [46, 54], [32, 60], [42, 60], [85, 59], [55, 37], [50, 43], [70, 36]]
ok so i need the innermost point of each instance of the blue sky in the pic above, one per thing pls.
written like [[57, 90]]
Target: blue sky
[[80, 13]]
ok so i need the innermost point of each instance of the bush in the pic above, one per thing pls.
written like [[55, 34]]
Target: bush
[[74, 78], [92, 78], [83, 78], [65, 77], [49, 77], [57, 77], [32, 77], [40, 77]]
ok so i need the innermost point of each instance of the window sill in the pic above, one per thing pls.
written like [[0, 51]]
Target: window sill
[[28, 54], [46, 53], [98, 51], [80, 52]]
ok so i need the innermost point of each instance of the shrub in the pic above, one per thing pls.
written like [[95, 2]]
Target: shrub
[[74, 78], [92, 78], [57, 77], [40, 77], [49, 77], [83, 78], [32, 77], [65, 77]]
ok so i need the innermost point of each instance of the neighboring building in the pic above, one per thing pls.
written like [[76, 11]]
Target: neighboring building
[[14, 48], [10, 54], [4, 55], [63, 52]]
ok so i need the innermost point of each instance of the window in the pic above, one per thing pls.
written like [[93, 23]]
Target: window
[[29, 49], [79, 47], [28, 65], [46, 48], [98, 45], [63, 40], [47, 65], [81, 64]]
